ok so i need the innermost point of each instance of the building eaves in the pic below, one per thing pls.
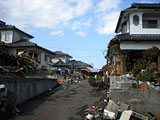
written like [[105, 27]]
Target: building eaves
[[2, 24], [93, 70], [146, 5], [79, 63], [137, 37], [119, 21], [27, 44], [62, 54], [133, 7]]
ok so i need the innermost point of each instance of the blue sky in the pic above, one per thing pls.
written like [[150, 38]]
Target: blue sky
[[81, 28]]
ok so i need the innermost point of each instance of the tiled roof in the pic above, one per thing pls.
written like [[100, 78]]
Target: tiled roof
[[93, 70], [61, 53], [25, 43], [137, 6], [22, 43], [146, 5], [79, 64], [137, 37]]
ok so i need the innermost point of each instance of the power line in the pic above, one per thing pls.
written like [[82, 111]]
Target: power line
[[77, 48]]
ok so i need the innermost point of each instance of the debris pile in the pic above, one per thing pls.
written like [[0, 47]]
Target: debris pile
[[110, 110], [7, 101], [11, 65]]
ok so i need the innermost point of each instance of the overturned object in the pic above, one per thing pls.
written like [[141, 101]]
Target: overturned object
[[129, 114], [112, 106], [89, 116], [123, 106], [110, 114]]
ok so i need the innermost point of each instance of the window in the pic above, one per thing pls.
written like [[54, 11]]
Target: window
[[150, 24], [6, 36], [124, 27], [21, 37], [45, 57], [136, 20]]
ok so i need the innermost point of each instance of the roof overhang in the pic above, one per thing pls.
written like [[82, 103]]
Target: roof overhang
[[136, 7]]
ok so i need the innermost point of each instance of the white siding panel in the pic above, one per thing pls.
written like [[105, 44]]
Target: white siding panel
[[138, 46]]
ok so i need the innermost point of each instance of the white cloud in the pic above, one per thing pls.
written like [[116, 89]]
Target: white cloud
[[76, 25], [60, 33], [80, 33], [107, 15], [81, 24], [59, 14], [42, 13], [106, 5], [146, 1], [108, 23]]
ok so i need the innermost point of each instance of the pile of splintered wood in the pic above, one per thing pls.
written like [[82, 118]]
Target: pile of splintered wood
[[11, 65]]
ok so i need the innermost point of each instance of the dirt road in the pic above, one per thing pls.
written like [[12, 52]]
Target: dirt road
[[66, 104]]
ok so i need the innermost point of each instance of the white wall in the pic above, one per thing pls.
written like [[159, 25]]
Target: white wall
[[3, 36], [136, 29], [138, 46], [47, 62], [13, 36], [139, 28]]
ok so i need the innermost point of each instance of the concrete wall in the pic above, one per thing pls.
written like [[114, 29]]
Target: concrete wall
[[140, 100], [27, 88], [122, 82]]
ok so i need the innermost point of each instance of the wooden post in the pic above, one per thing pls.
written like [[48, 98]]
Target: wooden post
[[159, 62]]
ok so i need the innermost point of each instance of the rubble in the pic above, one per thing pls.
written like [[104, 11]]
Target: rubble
[[7, 101], [109, 114], [11, 65], [116, 111], [129, 115], [112, 106]]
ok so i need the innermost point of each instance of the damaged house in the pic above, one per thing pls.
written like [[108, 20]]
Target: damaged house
[[78, 66], [61, 62], [138, 29], [18, 44]]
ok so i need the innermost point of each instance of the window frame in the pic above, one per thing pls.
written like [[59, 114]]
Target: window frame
[[136, 20], [149, 25], [7, 35]]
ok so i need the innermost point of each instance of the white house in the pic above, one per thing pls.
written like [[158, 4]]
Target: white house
[[59, 55], [138, 27], [61, 62]]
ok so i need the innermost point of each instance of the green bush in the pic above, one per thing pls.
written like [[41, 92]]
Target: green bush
[[92, 81], [145, 76]]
